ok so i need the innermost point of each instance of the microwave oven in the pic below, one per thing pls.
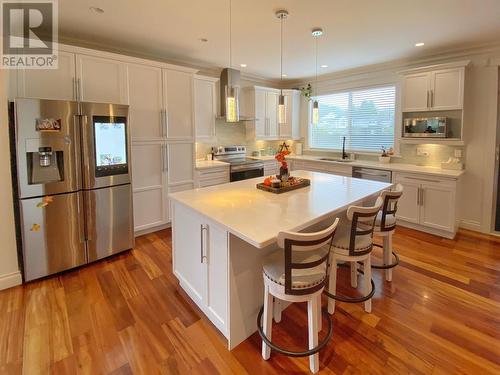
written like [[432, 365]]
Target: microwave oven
[[425, 127]]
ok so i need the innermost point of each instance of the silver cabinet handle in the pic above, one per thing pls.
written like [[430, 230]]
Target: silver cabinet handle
[[75, 95], [202, 247], [166, 158], [162, 127], [165, 123], [432, 98], [79, 89], [427, 98], [421, 196], [422, 179], [418, 196]]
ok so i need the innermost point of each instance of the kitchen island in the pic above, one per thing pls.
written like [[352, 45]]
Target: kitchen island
[[221, 234]]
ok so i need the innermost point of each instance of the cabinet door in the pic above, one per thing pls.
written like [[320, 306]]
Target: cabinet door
[[204, 109], [447, 89], [58, 84], [146, 102], [217, 257], [189, 266], [102, 80], [149, 185], [260, 115], [408, 207], [180, 160], [438, 207], [415, 92], [178, 88], [272, 114]]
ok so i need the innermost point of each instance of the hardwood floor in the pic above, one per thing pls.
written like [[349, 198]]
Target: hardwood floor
[[127, 315]]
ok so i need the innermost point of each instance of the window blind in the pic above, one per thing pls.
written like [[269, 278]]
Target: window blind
[[365, 117]]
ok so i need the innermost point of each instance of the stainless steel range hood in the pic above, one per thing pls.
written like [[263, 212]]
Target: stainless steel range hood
[[232, 76]]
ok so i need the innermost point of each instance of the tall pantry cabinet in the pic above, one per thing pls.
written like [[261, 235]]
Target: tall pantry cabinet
[[160, 97]]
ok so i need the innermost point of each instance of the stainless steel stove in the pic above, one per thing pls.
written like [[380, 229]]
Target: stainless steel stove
[[241, 167]]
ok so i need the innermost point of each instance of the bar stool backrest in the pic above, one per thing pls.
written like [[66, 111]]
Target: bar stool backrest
[[293, 242], [390, 207], [362, 226]]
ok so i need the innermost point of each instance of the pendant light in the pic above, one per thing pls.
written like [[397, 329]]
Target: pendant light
[[281, 15], [316, 33], [231, 92]]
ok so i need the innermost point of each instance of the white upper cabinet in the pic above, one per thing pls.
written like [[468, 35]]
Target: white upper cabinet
[[447, 89], [57, 84], [416, 92], [435, 88], [101, 80], [205, 107], [178, 88], [146, 102], [261, 103], [272, 114]]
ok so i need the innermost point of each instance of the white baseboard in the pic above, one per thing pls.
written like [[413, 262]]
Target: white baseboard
[[11, 279], [142, 232], [471, 225]]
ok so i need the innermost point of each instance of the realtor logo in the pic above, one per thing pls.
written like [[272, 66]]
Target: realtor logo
[[29, 34]]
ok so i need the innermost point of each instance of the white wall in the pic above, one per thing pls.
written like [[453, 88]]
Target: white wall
[[9, 271]]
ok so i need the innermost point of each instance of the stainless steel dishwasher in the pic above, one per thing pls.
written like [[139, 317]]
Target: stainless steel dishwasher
[[372, 174]]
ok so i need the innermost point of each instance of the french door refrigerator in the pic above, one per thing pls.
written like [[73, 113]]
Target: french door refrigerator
[[74, 196]]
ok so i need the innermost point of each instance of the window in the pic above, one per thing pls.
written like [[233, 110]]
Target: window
[[365, 117]]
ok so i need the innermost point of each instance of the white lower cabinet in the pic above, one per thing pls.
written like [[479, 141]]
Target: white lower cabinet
[[428, 202], [149, 185], [201, 263], [212, 176], [318, 166]]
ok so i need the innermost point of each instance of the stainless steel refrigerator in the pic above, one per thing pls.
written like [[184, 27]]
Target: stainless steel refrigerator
[[73, 183]]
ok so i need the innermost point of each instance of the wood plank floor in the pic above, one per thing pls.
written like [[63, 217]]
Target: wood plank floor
[[127, 315]]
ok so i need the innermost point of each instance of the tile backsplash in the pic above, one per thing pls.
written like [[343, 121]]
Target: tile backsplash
[[235, 134]]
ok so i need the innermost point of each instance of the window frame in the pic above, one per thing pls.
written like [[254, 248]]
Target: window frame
[[397, 117]]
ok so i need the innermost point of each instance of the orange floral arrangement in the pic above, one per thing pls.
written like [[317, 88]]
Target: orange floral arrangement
[[280, 156]]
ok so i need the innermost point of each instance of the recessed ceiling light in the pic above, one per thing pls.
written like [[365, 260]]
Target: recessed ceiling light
[[324, 66], [243, 65], [419, 44], [203, 40], [284, 75], [96, 10]]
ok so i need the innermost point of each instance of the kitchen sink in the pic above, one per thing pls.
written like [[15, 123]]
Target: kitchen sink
[[337, 159]]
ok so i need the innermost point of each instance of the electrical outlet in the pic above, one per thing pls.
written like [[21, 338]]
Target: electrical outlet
[[422, 151], [458, 153]]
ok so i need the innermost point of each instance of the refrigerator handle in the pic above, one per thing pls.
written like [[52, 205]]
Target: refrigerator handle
[[81, 229]]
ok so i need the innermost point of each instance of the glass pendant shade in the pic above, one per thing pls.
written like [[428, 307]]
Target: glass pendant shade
[[281, 110], [232, 107], [315, 113]]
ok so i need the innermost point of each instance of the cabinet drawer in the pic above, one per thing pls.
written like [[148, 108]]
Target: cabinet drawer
[[213, 181], [423, 179], [213, 173]]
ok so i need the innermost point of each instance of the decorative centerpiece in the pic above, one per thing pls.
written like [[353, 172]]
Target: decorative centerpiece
[[283, 182], [386, 155]]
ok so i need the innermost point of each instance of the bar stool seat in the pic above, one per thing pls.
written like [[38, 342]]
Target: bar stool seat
[[297, 272], [385, 226], [274, 268], [353, 243]]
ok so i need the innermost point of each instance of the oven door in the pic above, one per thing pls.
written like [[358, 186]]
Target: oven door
[[239, 173]]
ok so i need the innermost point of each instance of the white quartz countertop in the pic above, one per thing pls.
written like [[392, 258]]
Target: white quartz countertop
[[397, 167], [205, 164], [258, 216]]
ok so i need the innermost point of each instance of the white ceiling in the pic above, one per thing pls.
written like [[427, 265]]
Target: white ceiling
[[357, 32]]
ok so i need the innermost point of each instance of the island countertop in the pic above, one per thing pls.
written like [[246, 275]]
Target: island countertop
[[258, 216]]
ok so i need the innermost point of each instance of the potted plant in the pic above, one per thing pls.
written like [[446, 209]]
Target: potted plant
[[385, 157]]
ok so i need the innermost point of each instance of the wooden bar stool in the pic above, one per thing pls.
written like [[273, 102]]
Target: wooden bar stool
[[385, 226], [297, 273], [353, 243]]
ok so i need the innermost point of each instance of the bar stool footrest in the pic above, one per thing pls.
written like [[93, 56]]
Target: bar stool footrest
[[386, 266], [290, 353], [348, 299]]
